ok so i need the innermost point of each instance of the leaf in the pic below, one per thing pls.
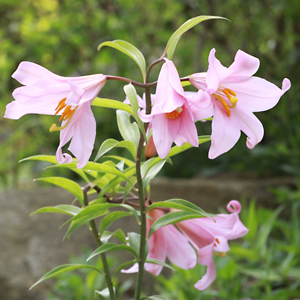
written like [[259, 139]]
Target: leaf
[[171, 218], [93, 166], [155, 297], [134, 241], [154, 170], [112, 247], [158, 262], [63, 269], [110, 218], [181, 204], [127, 161], [47, 158], [120, 267], [171, 45], [132, 96], [111, 143], [87, 214], [129, 50], [105, 292], [61, 209], [119, 234], [109, 103], [66, 184], [129, 131]]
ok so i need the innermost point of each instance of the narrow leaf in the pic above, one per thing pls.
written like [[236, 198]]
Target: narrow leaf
[[109, 103], [111, 143], [61, 209], [153, 172], [129, 131], [112, 247], [110, 218], [158, 262], [129, 50], [172, 43], [63, 269], [132, 96], [66, 184], [119, 234], [181, 205], [171, 218]]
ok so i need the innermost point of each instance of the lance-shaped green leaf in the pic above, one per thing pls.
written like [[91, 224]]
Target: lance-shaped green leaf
[[127, 161], [63, 269], [125, 264], [105, 292], [66, 184], [60, 209], [111, 143], [158, 262], [176, 150], [52, 159], [112, 247], [132, 96], [110, 218], [181, 205], [154, 297], [129, 50], [152, 172], [110, 185], [92, 166], [119, 234], [171, 218], [129, 131], [172, 43], [114, 104]]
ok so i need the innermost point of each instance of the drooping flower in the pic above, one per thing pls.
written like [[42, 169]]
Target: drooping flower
[[171, 117], [208, 235], [166, 242], [235, 95], [47, 93]]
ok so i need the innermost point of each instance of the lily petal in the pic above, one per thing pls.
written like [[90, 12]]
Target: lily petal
[[208, 278]]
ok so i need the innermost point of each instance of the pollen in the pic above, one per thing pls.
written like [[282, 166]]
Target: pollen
[[231, 96], [174, 114], [65, 116]]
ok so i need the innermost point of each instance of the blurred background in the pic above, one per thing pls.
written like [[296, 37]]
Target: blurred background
[[63, 35]]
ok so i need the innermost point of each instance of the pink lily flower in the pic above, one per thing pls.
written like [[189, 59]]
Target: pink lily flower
[[47, 93], [235, 95], [207, 236], [166, 242], [172, 118]]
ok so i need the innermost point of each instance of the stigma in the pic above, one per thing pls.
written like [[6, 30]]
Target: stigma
[[66, 115], [174, 114]]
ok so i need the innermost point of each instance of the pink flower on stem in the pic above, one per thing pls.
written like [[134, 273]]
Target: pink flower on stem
[[166, 242], [171, 117], [208, 236], [47, 93], [235, 95]]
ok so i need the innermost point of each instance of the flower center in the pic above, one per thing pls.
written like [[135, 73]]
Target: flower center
[[66, 114], [231, 96], [174, 114]]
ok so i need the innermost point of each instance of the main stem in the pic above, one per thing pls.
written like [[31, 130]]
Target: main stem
[[99, 243], [142, 257]]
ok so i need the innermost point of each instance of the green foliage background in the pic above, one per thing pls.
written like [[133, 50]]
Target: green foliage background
[[62, 35]]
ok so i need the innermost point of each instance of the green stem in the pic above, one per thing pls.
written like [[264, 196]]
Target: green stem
[[99, 243], [142, 256]]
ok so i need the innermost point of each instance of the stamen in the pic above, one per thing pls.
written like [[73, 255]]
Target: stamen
[[225, 105], [66, 114], [174, 114], [217, 240]]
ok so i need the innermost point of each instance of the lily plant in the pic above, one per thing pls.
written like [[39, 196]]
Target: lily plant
[[150, 125]]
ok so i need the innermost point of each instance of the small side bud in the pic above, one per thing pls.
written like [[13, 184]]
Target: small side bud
[[150, 150]]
